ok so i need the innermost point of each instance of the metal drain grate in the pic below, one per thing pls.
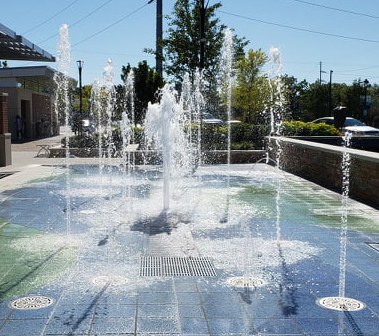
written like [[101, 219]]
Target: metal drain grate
[[245, 282], [176, 266], [31, 302], [340, 303]]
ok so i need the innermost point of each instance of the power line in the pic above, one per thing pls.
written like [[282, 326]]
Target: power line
[[90, 13], [366, 68], [337, 9], [300, 29], [112, 24], [50, 18], [80, 20]]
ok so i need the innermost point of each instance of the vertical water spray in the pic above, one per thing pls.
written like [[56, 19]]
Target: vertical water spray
[[226, 72], [276, 119], [164, 126], [198, 106], [226, 75], [96, 107], [126, 134], [129, 108], [344, 204], [62, 104], [109, 89], [341, 302]]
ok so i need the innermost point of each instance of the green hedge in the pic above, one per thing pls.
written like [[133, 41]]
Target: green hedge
[[214, 137], [300, 128]]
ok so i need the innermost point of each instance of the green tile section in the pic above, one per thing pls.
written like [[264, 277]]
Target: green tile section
[[30, 259]]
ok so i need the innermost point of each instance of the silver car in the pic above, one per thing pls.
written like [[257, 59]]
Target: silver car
[[208, 118], [352, 125]]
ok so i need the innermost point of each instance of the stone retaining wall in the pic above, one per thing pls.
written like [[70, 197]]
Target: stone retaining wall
[[321, 164]]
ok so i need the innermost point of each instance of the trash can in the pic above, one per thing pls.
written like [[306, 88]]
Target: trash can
[[339, 114]]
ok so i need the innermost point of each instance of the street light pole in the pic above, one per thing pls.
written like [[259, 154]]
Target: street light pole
[[159, 33], [365, 85], [330, 91], [80, 64]]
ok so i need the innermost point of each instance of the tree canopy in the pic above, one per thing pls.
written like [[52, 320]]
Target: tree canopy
[[146, 84], [182, 45], [251, 89]]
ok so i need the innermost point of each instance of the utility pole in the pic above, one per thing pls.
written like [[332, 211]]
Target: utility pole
[[202, 34], [159, 37], [321, 72]]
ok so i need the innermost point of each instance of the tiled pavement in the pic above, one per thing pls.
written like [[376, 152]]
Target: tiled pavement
[[30, 265]]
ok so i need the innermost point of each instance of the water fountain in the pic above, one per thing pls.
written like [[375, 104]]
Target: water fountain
[[137, 269], [341, 302], [62, 103], [165, 130]]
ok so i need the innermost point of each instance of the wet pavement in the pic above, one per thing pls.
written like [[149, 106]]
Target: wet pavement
[[109, 271]]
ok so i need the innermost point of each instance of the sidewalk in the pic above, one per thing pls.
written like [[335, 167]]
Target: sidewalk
[[25, 163]]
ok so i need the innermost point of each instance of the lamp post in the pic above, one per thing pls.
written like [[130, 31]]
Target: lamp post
[[330, 91], [80, 64], [364, 114]]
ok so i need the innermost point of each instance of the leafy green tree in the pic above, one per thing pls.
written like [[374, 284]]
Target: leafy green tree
[[86, 96], [146, 84], [251, 89], [314, 102], [293, 90], [182, 45]]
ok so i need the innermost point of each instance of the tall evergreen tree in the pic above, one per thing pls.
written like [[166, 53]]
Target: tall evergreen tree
[[146, 84]]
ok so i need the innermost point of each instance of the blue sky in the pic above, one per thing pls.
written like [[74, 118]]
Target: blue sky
[[102, 29]]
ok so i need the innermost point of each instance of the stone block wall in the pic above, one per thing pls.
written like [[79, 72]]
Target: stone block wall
[[322, 164]]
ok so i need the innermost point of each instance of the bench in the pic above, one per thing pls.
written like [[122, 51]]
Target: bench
[[44, 148]]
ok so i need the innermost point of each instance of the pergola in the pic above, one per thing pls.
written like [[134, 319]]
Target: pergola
[[17, 47]]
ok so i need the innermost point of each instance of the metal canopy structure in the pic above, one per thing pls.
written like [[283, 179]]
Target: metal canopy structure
[[17, 47]]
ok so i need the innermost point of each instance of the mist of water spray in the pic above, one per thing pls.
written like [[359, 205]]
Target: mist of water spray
[[62, 104], [165, 126], [226, 72], [345, 198], [276, 118], [109, 90], [198, 106], [96, 108]]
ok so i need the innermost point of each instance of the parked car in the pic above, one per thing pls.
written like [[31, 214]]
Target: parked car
[[88, 126], [209, 119], [352, 125]]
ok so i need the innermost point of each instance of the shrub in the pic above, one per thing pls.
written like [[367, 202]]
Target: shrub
[[81, 141], [245, 145], [300, 128]]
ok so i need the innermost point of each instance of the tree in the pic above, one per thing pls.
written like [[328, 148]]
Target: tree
[[251, 90], [293, 90], [182, 45], [146, 84], [314, 102]]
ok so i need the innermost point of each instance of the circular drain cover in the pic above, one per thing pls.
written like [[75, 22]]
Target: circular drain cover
[[109, 280], [340, 303], [31, 302], [245, 282]]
